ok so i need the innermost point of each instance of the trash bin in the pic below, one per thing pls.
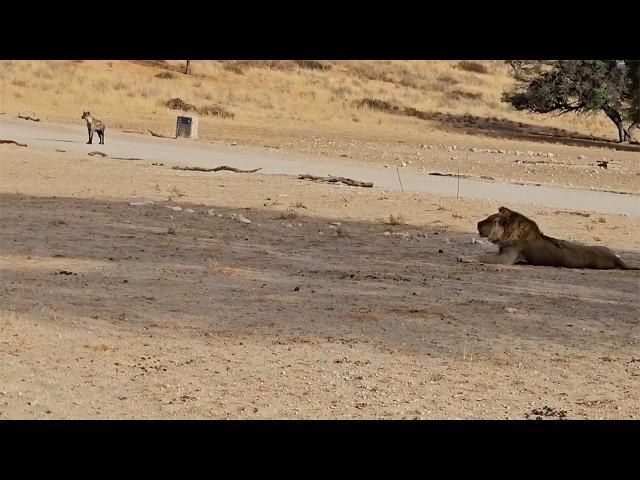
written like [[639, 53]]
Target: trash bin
[[187, 127]]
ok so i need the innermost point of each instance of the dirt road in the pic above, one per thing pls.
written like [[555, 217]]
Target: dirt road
[[184, 152]]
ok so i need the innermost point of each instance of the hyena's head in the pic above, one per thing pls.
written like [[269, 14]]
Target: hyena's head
[[86, 115]]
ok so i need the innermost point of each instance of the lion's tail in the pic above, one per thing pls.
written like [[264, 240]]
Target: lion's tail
[[620, 264]]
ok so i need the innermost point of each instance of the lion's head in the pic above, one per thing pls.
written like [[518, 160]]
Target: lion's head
[[507, 227]]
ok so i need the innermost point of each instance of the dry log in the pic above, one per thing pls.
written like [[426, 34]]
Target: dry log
[[28, 117], [332, 179], [158, 134], [14, 142], [217, 169]]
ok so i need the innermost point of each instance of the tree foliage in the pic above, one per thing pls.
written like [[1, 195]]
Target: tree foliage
[[580, 86]]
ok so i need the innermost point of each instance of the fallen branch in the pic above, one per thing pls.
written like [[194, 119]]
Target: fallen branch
[[127, 158], [97, 153], [14, 142], [331, 179], [573, 213], [217, 169], [28, 117], [438, 174], [483, 177], [133, 131], [158, 135]]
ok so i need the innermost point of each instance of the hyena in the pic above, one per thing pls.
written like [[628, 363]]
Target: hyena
[[93, 125]]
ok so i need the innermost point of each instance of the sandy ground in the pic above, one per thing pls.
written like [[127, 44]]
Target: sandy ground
[[117, 311]]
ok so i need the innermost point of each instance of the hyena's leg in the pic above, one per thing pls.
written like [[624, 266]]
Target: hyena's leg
[[90, 135], [507, 256], [101, 135]]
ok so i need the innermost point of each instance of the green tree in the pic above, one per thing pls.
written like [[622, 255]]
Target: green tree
[[580, 86]]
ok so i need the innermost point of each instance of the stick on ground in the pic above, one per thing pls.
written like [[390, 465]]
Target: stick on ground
[[28, 117], [398, 172], [331, 179], [217, 169], [158, 135], [97, 153], [14, 142]]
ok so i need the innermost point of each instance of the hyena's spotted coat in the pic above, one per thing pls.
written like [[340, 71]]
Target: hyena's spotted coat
[[94, 125]]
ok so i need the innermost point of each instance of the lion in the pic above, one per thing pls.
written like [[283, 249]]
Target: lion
[[520, 240]]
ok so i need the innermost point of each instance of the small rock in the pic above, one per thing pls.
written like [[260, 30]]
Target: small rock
[[175, 209], [141, 203], [510, 309], [387, 234], [190, 210], [288, 225], [211, 212], [171, 231]]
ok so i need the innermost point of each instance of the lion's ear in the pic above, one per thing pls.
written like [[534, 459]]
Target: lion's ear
[[504, 211]]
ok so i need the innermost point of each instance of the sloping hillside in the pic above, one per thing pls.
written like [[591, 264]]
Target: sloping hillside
[[259, 99]]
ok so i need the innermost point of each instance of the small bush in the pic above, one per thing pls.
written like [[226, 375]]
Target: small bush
[[376, 104], [470, 66], [396, 220], [206, 110], [312, 65], [288, 215], [458, 94], [215, 111], [166, 75]]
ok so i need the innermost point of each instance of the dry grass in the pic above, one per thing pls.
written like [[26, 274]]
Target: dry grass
[[267, 97], [288, 215], [470, 66], [396, 219]]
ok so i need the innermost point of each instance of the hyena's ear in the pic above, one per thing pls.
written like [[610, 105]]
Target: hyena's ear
[[504, 211]]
